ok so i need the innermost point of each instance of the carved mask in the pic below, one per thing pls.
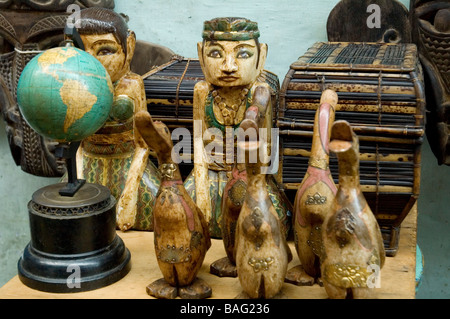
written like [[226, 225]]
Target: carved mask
[[431, 33]]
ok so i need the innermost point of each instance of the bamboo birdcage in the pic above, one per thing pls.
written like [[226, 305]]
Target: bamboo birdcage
[[381, 95], [170, 93]]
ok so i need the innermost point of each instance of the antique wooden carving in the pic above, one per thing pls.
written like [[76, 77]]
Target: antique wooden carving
[[27, 27], [314, 197], [57, 5], [181, 232], [431, 32], [353, 247], [25, 33], [116, 156], [231, 58], [369, 21], [261, 251]]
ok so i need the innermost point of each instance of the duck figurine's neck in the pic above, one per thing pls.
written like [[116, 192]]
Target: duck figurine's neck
[[319, 157], [346, 145], [348, 169]]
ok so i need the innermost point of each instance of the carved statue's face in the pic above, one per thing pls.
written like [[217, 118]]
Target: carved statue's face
[[108, 51], [231, 63]]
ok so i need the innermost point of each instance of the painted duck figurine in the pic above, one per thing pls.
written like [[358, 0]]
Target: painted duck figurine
[[314, 197], [262, 253], [181, 235], [353, 246]]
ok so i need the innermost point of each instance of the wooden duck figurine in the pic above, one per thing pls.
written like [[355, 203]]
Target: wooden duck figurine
[[262, 253], [353, 245], [314, 197], [180, 233]]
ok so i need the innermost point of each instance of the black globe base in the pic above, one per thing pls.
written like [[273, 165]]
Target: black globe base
[[70, 274], [74, 246]]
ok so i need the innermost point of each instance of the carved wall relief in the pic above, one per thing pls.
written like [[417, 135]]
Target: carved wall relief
[[431, 32], [369, 21], [28, 27]]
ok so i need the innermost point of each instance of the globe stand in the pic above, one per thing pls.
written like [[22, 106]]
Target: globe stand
[[69, 153], [74, 246]]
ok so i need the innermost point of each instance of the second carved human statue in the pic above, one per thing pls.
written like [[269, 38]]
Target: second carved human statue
[[116, 156], [232, 59]]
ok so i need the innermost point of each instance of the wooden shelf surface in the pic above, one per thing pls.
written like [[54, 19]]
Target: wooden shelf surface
[[397, 276]]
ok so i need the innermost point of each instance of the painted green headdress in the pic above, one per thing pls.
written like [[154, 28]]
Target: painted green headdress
[[230, 29]]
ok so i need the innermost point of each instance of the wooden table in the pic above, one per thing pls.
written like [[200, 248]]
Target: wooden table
[[397, 275]]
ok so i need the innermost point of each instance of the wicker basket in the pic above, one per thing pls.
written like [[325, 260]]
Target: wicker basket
[[381, 94], [170, 93]]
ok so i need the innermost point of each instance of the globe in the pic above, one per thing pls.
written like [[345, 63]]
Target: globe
[[65, 94]]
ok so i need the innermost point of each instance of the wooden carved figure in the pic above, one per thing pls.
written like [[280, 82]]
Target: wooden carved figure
[[116, 156], [231, 58], [369, 21], [353, 247], [262, 254], [314, 197], [431, 33], [28, 27], [181, 234]]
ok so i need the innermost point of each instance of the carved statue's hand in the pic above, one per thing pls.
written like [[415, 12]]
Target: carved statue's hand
[[125, 217], [249, 126], [127, 203]]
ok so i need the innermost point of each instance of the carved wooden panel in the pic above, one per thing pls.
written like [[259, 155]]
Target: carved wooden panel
[[431, 32], [369, 21], [28, 27]]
